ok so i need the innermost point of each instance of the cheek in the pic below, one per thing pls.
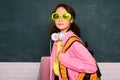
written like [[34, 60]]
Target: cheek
[[67, 24], [56, 23]]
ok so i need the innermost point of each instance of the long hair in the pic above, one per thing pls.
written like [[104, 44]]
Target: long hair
[[73, 26]]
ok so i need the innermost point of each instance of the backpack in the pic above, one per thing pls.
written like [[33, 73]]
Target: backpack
[[81, 76]]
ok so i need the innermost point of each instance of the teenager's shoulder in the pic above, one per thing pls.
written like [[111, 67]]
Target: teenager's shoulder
[[67, 36], [70, 33]]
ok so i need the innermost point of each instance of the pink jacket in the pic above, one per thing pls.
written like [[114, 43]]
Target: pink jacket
[[77, 59]]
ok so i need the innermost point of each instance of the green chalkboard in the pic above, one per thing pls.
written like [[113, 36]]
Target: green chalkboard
[[24, 28]]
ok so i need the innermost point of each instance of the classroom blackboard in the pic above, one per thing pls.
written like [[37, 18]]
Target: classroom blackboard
[[24, 28]]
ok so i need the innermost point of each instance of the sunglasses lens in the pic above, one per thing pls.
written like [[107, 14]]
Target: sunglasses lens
[[66, 16], [55, 16]]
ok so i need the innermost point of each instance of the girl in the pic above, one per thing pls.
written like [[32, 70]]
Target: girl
[[77, 58]]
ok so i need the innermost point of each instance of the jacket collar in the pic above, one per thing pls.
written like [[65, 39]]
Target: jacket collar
[[67, 36]]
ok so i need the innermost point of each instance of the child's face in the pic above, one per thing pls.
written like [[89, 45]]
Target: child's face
[[61, 24]]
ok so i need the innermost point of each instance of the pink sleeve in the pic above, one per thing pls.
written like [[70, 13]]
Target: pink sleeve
[[79, 59]]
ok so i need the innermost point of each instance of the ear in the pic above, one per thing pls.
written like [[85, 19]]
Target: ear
[[71, 21]]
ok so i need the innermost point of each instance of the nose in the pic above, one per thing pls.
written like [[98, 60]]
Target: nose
[[60, 19]]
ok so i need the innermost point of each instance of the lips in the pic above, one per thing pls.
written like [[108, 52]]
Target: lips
[[60, 24]]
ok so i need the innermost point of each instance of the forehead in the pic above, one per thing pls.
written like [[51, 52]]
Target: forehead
[[61, 10]]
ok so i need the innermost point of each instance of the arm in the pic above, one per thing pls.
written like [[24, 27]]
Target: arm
[[79, 59]]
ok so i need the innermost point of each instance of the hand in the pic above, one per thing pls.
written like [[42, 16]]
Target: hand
[[60, 55]]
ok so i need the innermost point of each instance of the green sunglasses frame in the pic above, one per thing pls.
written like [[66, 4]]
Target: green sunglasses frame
[[60, 15]]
